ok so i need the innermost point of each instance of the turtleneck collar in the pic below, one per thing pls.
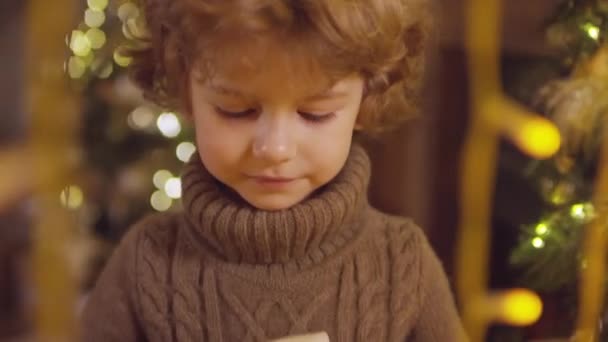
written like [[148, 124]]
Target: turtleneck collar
[[240, 233]]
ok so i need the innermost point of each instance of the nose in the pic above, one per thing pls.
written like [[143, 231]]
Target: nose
[[274, 141]]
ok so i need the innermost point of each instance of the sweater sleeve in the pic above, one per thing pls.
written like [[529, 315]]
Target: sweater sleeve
[[438, 319], [110, 314]]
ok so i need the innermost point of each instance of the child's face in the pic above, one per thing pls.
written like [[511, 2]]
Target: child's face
[[267, 137]]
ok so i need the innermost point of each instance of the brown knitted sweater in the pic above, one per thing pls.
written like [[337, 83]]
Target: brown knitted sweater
[[223, 271]]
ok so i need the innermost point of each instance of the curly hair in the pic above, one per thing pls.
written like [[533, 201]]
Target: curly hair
[[385, 41]]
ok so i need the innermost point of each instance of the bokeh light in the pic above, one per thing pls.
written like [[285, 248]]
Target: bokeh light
[[160, 201], [539, 137], [71, 197], [541, 228], [94, 18], [184, 151], [173, 188], [520, 307], [169, 125], [141, 117], [98, 5], [127, 10], [538, 242], [592, 30], [76, 67], [79, 43], [582, 211], [121, 59], [96, 37], [160, 178]]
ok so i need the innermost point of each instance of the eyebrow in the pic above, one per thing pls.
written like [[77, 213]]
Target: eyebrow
[[226, 91], [330, 93]]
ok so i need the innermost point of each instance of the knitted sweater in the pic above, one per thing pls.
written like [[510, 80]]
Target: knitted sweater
[[223, 271]]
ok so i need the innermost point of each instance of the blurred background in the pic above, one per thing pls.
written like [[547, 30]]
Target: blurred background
[[120, 157]]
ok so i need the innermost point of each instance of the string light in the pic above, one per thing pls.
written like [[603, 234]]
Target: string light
[[541, 228], [160, 201], [592, 30], [94, 18], [71, 197], [539, 138], [160, 178], [520, 307], [127, 10], [79, 43], [76, 67], [96, 37], [169, 125], [538, 243], [98, 5], [184, 151], [121, 60], [173, 188], [582, 211], [141, 118]]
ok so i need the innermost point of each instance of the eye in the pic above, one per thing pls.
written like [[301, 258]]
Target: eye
[[316, 118], [235, 115]]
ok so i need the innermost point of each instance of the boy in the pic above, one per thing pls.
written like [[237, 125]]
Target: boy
[[277, 237]]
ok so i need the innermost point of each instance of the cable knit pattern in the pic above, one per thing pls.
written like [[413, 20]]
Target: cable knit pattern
[[224, 271]]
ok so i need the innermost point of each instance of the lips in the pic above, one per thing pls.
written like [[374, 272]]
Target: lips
[[268, 179]]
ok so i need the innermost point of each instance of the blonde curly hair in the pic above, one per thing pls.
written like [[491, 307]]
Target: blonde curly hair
[[385, 41]]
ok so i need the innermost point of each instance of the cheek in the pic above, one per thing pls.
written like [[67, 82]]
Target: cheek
[[218, 146]]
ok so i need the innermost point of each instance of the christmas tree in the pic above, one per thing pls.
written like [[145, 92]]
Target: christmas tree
[[131, 150], [549, 253]]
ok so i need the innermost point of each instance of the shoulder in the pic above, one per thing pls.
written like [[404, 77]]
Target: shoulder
[[146, 247], [156, 230], [404, 238]]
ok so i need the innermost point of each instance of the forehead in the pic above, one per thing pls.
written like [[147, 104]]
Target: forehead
[[267, 65]]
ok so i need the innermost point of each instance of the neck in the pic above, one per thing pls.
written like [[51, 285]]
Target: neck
[[240, 233]]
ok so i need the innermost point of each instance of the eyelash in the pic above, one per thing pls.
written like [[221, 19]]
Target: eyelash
[[312, 118]]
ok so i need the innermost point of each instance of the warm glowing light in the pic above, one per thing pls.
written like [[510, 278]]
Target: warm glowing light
[[539, 137], [94, 18], [160, 201], [76, 67], [582, 211], [538, 242], [98, 5], [520, 307], [121, 60], [96, 37], [79, 43], [184, 151], [169, 125], [71, 197], [173, 188], [541, 228], [593, 31], [160, 178], [141, 118], [562, 192], [127, 10]]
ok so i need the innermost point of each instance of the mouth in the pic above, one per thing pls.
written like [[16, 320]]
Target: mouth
[[267, 179]]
